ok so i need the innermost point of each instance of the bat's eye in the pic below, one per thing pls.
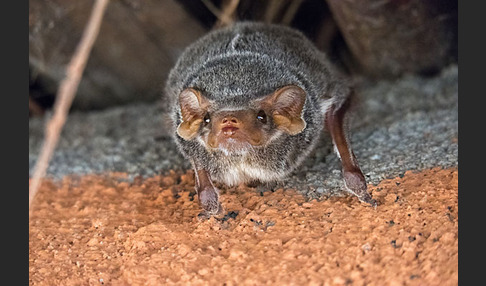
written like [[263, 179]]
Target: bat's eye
[[207, 119], [262, 117]]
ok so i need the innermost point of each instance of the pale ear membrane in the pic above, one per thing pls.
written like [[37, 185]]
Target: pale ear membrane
[[193, 107], [287, 104]]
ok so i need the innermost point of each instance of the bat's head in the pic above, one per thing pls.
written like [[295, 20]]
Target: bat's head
[[234, 130]]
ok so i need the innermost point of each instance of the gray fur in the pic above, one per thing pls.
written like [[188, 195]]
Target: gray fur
[[234, 66]]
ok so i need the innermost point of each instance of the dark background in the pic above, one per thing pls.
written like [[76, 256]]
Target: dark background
[[140, 40]]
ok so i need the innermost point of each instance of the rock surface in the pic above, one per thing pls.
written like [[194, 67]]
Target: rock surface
[[126, 64], [390, 38]]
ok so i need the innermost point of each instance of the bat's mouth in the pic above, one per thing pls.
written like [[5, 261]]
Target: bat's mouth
[[229, 131]]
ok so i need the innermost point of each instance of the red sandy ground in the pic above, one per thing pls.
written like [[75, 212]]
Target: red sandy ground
[[98, 230]]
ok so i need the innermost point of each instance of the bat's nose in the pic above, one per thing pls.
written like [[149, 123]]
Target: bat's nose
[[228, 120]]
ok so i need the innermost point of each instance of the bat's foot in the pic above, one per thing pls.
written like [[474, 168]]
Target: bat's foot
[[368, 200], [207, 214], [209, 201], [356, 184]]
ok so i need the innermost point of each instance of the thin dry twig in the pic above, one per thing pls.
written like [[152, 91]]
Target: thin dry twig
[[65, 95], [272, 9], [213, 8], [228, 13], [291, 11]]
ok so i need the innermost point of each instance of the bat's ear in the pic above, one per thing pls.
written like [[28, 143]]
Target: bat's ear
[[193, 108], [286, 105]]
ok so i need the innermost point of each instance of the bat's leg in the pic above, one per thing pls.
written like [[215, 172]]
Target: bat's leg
[[207, 194], [354, 179]]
